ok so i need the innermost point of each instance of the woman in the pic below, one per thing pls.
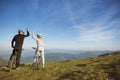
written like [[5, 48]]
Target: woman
[[40, 49]]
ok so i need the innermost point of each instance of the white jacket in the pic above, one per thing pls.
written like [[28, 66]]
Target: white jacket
[[40, 47], [39, 42]]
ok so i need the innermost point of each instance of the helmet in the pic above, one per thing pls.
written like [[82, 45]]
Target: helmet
[[20, 31], [39, 35]]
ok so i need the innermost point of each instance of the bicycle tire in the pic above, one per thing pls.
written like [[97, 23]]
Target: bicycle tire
[[39, 63], [12, 62]]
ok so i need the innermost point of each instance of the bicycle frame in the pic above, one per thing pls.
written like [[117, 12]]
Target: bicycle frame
[[38, 60]]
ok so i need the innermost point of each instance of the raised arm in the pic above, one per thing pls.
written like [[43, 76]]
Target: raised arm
[[33, 36], [28, 34]]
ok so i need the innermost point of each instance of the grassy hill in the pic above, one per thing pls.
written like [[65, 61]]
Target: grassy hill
[[103, 67]]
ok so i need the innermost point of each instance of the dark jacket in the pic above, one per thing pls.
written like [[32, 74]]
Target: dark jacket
[[18, 39]]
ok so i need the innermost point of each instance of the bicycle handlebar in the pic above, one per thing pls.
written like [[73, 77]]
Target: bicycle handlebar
[[33, 47], [14, 48]]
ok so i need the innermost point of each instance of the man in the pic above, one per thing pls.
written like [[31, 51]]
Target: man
[[16, 44]]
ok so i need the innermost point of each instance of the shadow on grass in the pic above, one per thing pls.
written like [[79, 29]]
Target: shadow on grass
[[74, 75], [4, 69], [113, 69], [81, 65]]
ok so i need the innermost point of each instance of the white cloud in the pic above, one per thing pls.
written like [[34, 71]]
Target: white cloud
[[97, 31], [94, 33], [103, 27]]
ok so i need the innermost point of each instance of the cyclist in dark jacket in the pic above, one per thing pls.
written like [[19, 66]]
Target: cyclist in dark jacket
[[16, 44]]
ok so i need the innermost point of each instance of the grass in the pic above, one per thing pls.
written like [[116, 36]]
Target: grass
[[95, 68]]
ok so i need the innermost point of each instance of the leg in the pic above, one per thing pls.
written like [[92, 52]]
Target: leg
[[18, 58], [11, 57], [34, 60], [35, 56], [43, 59], [12, 54]]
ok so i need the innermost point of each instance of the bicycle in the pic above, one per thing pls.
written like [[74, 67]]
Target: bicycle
[[12, 63], [38, 61]]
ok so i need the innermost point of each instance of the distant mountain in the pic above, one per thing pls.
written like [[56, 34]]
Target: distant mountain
[[76, 51], [56, 54], [59, 57], [66, 56], [3, 61], [109, 54], [62, 56]]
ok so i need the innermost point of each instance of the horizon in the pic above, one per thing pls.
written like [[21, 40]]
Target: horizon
[[64, 24], [26, 53]]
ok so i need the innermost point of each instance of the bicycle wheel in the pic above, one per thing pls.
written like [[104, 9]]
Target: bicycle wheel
[[12, 63], [39, 62]]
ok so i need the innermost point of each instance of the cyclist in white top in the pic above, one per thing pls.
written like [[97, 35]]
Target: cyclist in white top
[[39, 49]]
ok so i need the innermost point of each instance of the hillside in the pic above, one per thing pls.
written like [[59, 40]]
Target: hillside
[[105, 67], [2, 61]]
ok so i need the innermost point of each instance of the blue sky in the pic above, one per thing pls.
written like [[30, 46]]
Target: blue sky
[[64, 24]]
